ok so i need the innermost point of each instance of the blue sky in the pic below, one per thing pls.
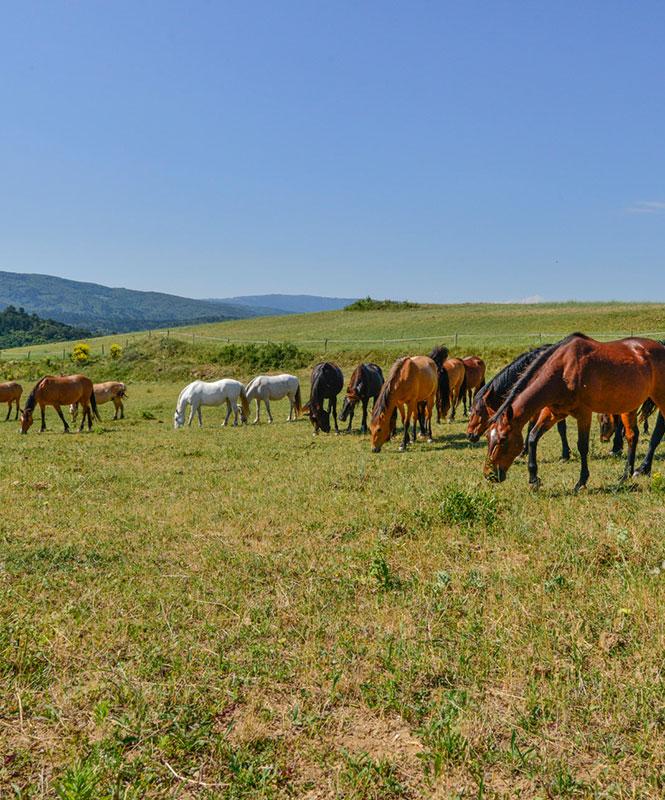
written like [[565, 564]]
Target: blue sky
[[425, 150]]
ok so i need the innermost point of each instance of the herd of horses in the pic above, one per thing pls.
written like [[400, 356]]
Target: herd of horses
[[623, 381]]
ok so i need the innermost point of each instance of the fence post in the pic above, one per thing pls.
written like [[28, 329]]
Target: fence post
[[28, 356], [193, 337], [102, 349], [455, 340], [325, 346]]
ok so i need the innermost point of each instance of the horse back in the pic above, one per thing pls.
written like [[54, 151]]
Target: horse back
[[64, 390]]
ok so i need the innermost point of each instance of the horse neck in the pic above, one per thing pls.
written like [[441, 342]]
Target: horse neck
[[537, 395], [182, 401]]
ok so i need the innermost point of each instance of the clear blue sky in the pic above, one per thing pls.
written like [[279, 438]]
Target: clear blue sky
[[436, 151]]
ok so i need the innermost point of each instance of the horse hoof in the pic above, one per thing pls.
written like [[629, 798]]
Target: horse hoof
[[579, 487], [564, 459], [430, 440], [535, 485]]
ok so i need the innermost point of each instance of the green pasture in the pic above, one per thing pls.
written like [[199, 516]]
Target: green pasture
[[258, 613]]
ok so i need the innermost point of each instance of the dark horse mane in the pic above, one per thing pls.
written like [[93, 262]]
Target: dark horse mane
[[316, 381], [506, 377], [526, 377], [31, 402], [438, 355], [381, 405]]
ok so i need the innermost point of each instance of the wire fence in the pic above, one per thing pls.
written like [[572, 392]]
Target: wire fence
[[456, 339]]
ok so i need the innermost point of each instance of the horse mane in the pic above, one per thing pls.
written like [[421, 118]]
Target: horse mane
[[356, 376], [526, 376], [31, 402], [507, 376], [381, 405], [438, 355]]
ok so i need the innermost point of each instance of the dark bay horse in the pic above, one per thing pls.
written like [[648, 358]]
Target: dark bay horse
[[411, 388], [474, 378], [365, 385], [57, 392], [10, 393], [490, 396], [327, 383], [578, 376]]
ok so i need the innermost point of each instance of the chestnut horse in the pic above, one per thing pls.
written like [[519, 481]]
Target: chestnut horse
[[411, 387], [10, 393], [490, 396], [474, 378], [364, 385], [578, 376], [451, 382], [57, 392]]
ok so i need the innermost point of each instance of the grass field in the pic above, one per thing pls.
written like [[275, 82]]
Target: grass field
[[256, 613]]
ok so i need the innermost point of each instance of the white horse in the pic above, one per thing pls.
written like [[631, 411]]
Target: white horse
[[201, 393], [275, 387]]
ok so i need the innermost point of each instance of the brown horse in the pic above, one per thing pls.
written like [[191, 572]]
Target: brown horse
[[10, 393], [454, 369], [104, 392], [474, 368], [578, 376], [57, 392], [412, 381]]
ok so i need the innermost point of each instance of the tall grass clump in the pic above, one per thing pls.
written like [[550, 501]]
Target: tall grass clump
[[468, 508]]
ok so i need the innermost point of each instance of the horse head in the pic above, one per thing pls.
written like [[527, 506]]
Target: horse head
[[479, 417], [26, 420], [607, 427], [504, 444], [319, 417], [178, 419]]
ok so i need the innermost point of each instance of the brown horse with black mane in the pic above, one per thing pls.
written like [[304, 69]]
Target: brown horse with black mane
[[578, 376], [58, 391], [411, 387], [451, 382], [10, 393], [474, 378]]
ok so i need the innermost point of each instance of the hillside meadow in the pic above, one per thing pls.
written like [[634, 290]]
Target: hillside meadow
[[253, 612]]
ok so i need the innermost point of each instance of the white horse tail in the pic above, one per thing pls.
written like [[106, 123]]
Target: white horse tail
[[298, 401], [244, 402]]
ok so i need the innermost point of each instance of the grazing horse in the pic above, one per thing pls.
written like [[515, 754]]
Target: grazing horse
[[275, 387], [411, 387], [327, 382], [10, 393], [451, 380], [60, 391], [489, 397], [578, 376], [365, 385], [202, 393], [109, 390], [474, 378]]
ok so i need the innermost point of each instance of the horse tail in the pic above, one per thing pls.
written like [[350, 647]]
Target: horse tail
[[646, 410], [444, 389], [298, 400], [244, 402], [93, 403], [462, 388]]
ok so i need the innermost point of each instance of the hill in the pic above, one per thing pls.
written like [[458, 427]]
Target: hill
[[290, 303], [107, 310], [18, 328]]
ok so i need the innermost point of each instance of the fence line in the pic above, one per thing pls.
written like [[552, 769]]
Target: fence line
[[63, 349]]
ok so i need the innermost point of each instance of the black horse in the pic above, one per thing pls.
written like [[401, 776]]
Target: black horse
[[492, 394], [365, 385], [327, 383]]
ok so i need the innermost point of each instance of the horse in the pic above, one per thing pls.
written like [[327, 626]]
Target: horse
[[474, 378], [611, 427], [411, 387], [326, 383], [364, 385], [274, 387], [109, 390], [447, 402], [10, 393], [490, 396], [578, 376], [60, 391], [203, 393]]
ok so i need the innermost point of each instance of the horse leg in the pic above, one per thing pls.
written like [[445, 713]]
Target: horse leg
[[291, 403], [192, 411], [563, 435], [122, 410], [333, 406], [453, 405], [228, 413], [540, 427], [583, 428], [407, 419], [363, 424], [617, 442], [17, 402], [350, 423], [258, 411], [632, 432], [529, 428], [43, 410], [9, 409], [267, 403], [62, 417], [656, 437]]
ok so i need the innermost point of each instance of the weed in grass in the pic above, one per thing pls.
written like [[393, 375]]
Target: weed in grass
[[468, 508], [364, 778], [381, 571]]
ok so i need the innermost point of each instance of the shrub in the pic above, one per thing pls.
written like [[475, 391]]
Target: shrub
[[369, 304], [115, 351], [81, 353], [462, 507], [272, 355]]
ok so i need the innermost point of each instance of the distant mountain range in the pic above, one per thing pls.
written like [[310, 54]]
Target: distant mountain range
[[289, 303], [102, 309]]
